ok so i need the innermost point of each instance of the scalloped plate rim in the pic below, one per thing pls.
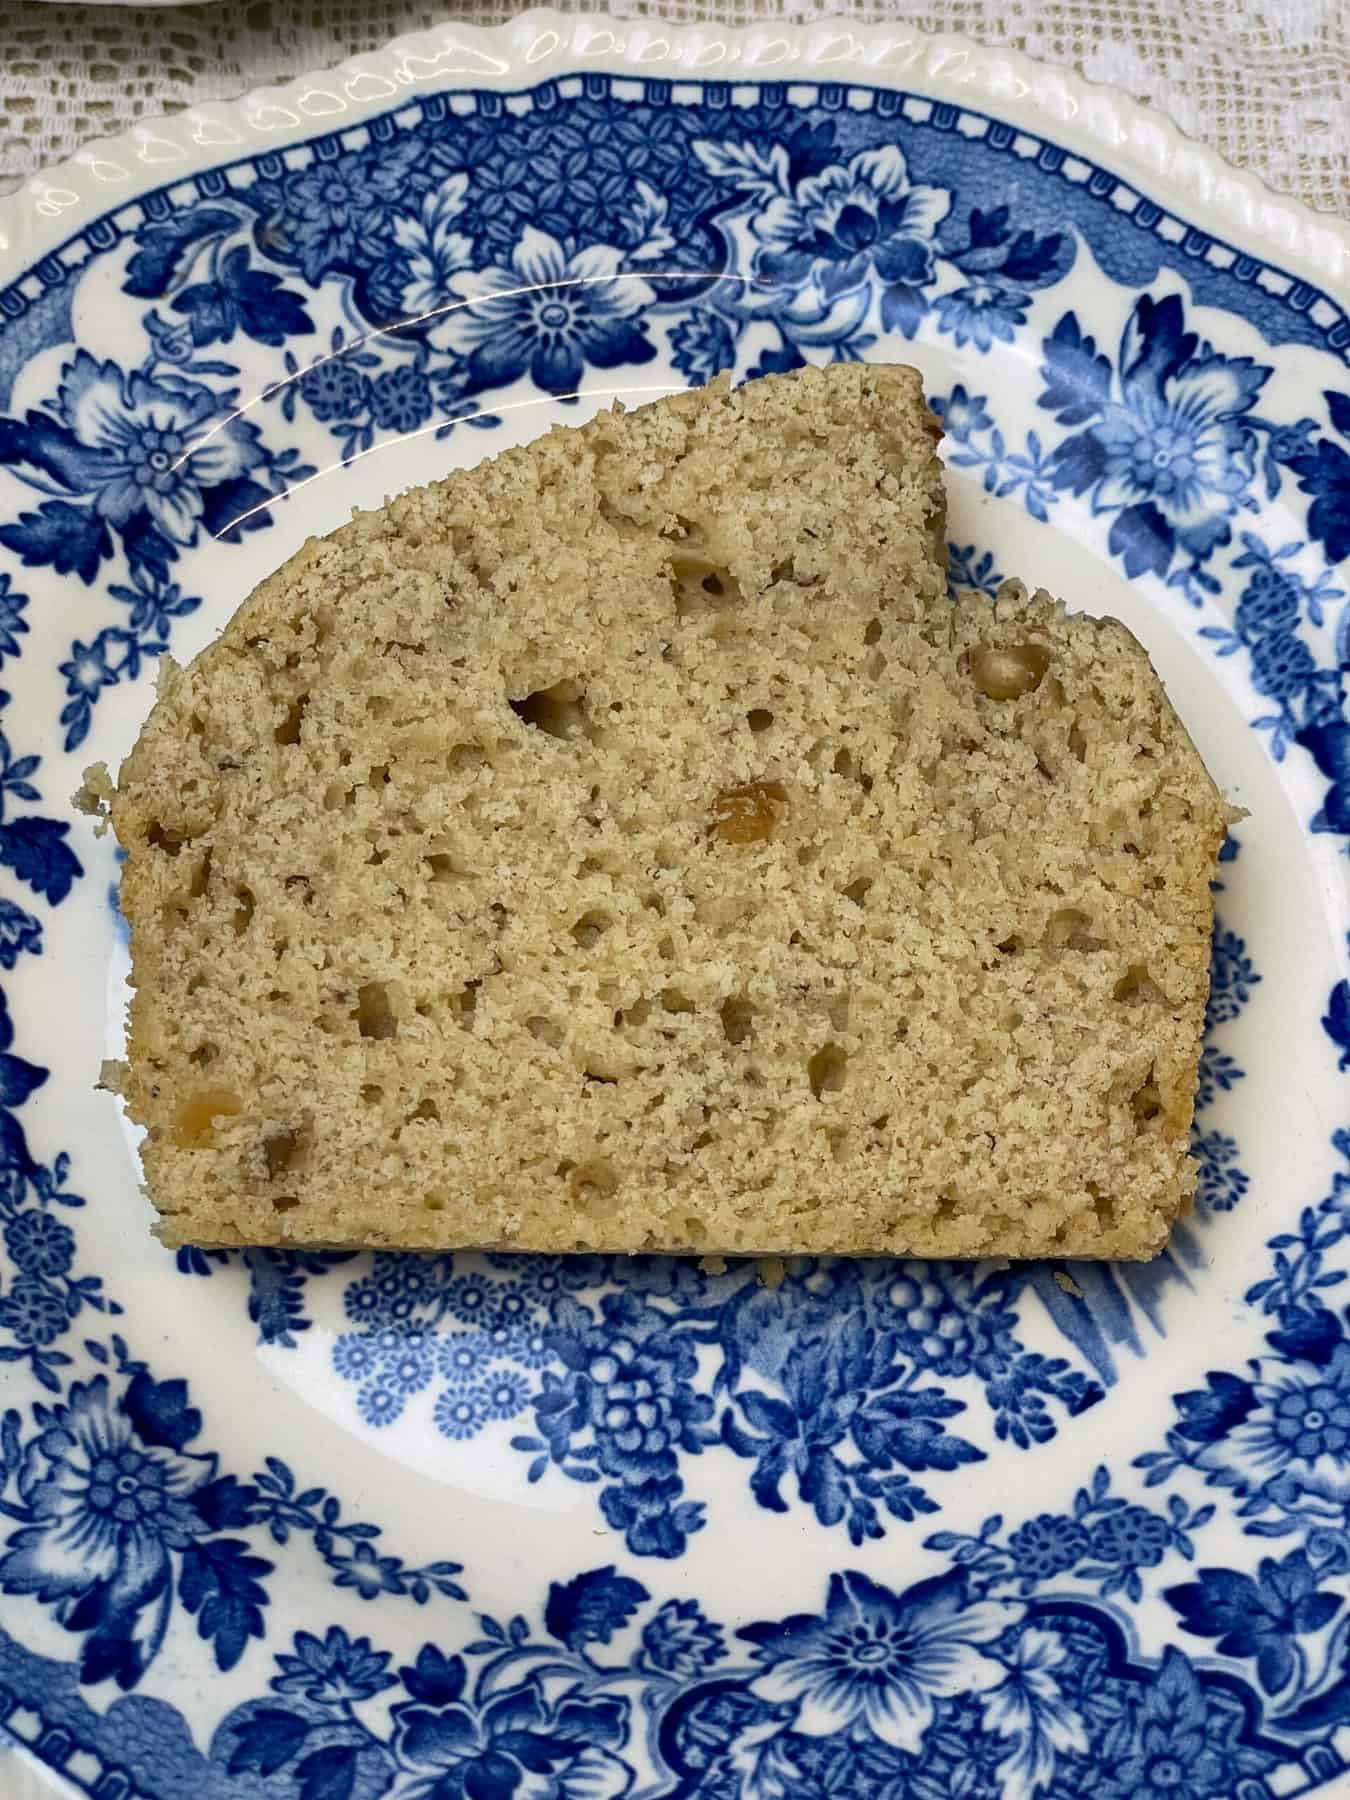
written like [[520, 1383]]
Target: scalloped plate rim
[[1139, 141]]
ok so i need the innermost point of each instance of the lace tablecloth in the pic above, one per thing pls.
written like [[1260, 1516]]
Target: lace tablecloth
[[1267, 82]]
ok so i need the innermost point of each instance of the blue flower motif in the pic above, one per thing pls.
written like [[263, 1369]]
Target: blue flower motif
[[841, 226], [333, 214], [544, 1278], [333, 1670], [460, 1414], [1310, 1419], [518, 1744], [983, 312], [680, 1641], [881, 1659], [461, 1358], [1177, 1747], [473, 1299], [515, 1307], [549, 314], [88, 672], [365, 1304], [367, 1571], [1168, 447], [963, 416], [1130, 1537], [531, 1348], [1046, 1546], [400, 399], [408, 1274], [703, 345], [354, 1355], [144, 445], [393, 1342], [335, 389], [107, 1510], [410, 1369], [505, 1394], [379, 1402], [34, 1312], [40, 1243], [19, 932], [1296, 1429]]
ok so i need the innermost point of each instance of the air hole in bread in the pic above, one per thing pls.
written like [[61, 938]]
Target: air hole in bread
[[375, 1016], [1069, 929], [590, 928], [443, 867], [284, 1151], [738, 1019], [464, 759], [288, 732], [160, 837], [557, 711], [1137, 987], [194, 1122]]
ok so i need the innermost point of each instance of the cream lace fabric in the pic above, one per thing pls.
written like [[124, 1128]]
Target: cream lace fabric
[[1266, 82]]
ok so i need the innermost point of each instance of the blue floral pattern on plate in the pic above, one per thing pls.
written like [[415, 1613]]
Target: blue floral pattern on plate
[[1160, 1605]]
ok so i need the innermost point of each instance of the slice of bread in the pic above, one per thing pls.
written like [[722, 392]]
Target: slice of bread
[[626, 845]]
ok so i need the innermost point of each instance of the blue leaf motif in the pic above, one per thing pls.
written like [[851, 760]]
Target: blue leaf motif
[[35, 850], [328, 1774], [160, 1411], [1338, 408], [221, 1587], [590, 1608], [241, 298], [73, 540], [267, 1741], [1325, 1712], [1257, 1617], [435, 1679], [164, 249], [18, 1080], [1077, 378]]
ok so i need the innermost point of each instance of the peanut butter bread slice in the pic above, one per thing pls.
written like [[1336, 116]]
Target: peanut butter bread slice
[[626, 845]]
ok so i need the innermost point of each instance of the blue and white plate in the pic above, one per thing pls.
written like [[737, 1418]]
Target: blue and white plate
[[332, 1527]]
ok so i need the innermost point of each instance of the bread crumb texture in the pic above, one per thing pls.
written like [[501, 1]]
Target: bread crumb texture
[[626, 845]]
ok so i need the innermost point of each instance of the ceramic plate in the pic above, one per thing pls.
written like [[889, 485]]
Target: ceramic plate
[[332, 1527]]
